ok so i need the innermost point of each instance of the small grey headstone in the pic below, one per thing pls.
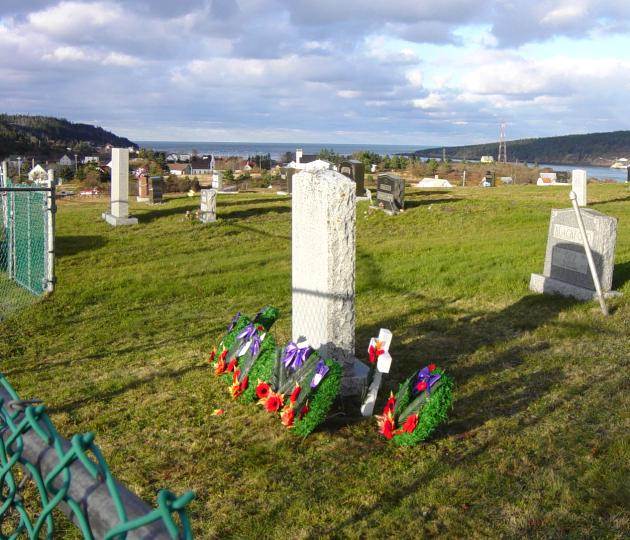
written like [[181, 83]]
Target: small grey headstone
[[566, 268], [390, 193], [355, 170]]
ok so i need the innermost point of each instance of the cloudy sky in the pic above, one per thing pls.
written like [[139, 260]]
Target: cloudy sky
[[395, 71]]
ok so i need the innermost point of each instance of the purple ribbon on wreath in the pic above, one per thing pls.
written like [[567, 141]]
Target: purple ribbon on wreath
[[250, 333], [234, 321], [320, 372], [294, 356], [424, 375]]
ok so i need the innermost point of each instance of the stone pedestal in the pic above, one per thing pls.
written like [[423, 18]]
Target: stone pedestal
[[566, 269], [579, 186], [208, 212], [323, 269], [119, 213], [143, 189], [217, 180]]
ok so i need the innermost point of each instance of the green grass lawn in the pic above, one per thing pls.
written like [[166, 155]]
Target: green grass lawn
[[537, 443]]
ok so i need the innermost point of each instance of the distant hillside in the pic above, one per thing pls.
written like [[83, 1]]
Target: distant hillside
[[590, 149], [47, 136]]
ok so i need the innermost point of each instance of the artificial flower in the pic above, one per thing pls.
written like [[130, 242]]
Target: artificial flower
[[218, 412], [375, 351], [432, 367], [391, 403], [232, 365], [212, 355], [386, 425], [262, 390], [295, 393], [273, 402], [219, 367], [288, 416], [421, 386], [304, 411], [410, 423]]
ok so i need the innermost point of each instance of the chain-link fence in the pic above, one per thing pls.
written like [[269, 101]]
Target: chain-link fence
[[42, 473], [26, 245]]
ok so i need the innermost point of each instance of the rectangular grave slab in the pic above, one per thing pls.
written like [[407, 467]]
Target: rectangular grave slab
[[566, 269], [323, 269], [156, 189], [390, 193]]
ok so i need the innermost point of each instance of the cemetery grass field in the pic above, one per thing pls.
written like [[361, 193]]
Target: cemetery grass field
[[537, 443]]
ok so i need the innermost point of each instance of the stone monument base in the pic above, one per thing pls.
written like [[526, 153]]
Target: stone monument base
[[207, 217], [355, 382], [143, 199], [546, 285], [116, 221]]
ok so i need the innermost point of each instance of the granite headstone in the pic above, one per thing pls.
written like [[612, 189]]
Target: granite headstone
[[390, 193]]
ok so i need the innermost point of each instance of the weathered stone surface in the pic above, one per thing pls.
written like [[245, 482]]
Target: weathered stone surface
[[323, 263], [355, 170], [217, 180], [208, 212], [117, 221], [566, 269], [390, 193], [579, 186], [546, 285]]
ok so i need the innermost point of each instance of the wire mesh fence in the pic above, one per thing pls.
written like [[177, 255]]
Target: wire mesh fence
[[42, 473], [26, 245]]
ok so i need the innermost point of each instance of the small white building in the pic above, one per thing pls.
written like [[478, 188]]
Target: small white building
[[66, 161], [90, 159], [487, 159], [38, 175]]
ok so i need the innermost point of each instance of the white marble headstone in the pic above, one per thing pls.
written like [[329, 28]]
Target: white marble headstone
[[323, 267], [579, 186], [208, 212], [119, 214]]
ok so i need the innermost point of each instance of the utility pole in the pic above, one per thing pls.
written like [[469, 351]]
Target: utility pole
[[502, 157]]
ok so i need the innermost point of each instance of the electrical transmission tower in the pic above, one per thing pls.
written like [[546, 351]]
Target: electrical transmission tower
[[502, 147]]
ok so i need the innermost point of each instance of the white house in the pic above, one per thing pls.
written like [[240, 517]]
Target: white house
[[66, 161], [487, 159], [38, 174], [179, 169], [90, 159]]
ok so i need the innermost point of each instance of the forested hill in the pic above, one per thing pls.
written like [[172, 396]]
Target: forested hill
[[46, 136], [590, 149]]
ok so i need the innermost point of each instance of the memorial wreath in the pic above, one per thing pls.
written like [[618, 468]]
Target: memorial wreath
[[420, 405]]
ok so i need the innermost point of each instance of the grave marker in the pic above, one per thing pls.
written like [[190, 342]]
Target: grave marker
[[390, 193], [156, 189], [354, 170], [566, 270], [579, 186], [119, 213], [323, 269], [208, 212], [380, 348]]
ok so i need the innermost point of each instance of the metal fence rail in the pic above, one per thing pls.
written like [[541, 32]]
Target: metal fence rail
[[27, 217], [40, 471]]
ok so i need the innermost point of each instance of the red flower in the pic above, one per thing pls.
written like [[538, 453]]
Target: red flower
[[223, 354], [410, 423], [391, 403], [421, 386], [219, 367], [304, 411], [260, 328], [288, 416], [375, 352], [295, 393], [262, 390], [386, 425], [274, 402], [212, 355], [233, 363], [432, 367]]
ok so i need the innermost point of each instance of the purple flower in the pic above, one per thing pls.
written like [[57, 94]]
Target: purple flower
[[320, 373]]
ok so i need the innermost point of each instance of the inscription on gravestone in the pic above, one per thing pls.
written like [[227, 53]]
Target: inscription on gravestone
[[566, 268], [390, 193], [208, 211]]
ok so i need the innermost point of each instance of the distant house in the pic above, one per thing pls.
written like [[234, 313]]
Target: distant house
[[487, 159], [90, 159], [66, 161], [200, 166], [38, 174], [172, 158], [180, 169]]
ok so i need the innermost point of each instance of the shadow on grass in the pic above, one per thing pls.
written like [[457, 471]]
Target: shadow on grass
[[621, 275], [228, 200], [107, 395], [250, 212], [71, 245], [414, 203], [162, 211], [618, 199]]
